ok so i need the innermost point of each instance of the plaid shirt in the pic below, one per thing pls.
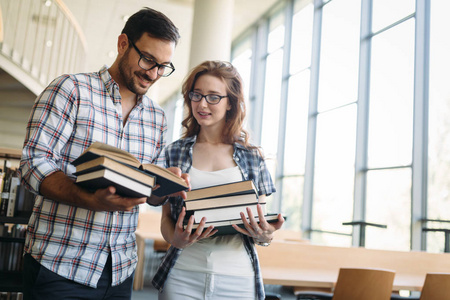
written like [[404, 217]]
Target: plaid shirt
[[70, 114], [251, 165]]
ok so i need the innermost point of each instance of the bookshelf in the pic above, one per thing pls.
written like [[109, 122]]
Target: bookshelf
[[11, 243], [11, 280]]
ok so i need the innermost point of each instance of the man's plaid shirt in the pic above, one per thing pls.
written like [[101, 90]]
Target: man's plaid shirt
[[70, 114], [252, 167]]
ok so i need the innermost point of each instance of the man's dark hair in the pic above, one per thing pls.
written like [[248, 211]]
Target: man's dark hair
[[153, 22]]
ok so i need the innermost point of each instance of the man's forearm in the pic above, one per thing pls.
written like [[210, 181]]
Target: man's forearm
[[61, 188]]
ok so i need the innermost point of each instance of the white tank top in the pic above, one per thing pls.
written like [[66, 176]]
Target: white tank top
[[224, 255]]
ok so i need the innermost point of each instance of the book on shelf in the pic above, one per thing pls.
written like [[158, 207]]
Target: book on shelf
[[168, 182], [24, 202], [228, 189], [125, 186], [5, 191], [225, 227], [15, 183]]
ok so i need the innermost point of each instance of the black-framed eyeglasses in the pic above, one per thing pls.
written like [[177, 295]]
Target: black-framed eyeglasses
[[211, 98], [149, 64]]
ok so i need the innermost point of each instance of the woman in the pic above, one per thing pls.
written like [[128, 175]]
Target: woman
[[214, 150]]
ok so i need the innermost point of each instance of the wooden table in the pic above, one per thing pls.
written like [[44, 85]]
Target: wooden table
[[310, 266]]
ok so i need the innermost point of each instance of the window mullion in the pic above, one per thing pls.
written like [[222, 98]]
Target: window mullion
[[362, 126]]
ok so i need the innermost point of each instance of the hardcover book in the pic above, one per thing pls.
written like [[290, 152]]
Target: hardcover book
[[228, 189], [221, 201], [224, 227], [224, 213], [125, 186], [168, 182], [108, 163]]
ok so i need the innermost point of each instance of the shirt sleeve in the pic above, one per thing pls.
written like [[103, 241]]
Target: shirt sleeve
[[266, 185], [50, 126]]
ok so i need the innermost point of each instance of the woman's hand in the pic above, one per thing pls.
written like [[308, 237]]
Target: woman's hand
[[262, 232], [183, 238]]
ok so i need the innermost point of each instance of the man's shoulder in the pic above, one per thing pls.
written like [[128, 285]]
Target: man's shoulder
[[77, 78]]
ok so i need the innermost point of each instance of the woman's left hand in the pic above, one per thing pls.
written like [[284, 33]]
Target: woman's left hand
[[261, 232]]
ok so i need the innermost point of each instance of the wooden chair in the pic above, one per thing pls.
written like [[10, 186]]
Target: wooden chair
[[357, 284], [436, 287]]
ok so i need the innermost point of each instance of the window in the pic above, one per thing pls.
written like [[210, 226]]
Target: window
[[340, 94], [439, 125]]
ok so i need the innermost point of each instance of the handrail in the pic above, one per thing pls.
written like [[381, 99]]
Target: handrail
[[1, 25], [74, 22], [40, 40]]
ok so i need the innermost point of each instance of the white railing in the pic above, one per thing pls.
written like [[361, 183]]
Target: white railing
[[42, 38]]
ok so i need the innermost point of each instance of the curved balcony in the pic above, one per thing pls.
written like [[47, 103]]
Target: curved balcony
[[39, 40]]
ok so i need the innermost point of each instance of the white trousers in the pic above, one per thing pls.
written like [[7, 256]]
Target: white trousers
[[183, 284]]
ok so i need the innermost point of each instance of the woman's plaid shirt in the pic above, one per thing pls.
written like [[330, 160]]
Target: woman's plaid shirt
[[251, 165]]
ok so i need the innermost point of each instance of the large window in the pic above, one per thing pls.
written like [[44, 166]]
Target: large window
[[439, 125], [353, 127]]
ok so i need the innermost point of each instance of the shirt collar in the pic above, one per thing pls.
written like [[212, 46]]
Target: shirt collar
[[107, 79], [113, 88], [193, 139]]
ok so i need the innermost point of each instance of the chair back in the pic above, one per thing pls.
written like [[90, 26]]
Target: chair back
[[361, 283], [436, 287]]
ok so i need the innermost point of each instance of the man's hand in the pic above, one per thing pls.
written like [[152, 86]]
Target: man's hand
[[108, 200]]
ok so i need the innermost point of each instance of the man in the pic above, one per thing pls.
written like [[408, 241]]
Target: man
[[81, 244]]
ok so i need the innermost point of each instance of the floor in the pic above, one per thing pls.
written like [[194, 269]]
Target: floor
[[150, 293]]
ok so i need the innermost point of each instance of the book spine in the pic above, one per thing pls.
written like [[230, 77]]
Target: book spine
[[226, 213], [5, 194], [218, 206], [12, 196]]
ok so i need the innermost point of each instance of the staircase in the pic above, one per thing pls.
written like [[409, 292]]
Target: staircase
[[39, 40]]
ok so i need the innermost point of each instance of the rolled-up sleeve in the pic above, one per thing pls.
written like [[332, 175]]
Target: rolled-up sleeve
[[49, 128]]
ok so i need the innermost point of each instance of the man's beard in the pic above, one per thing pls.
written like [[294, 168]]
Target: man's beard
[[128, 78]]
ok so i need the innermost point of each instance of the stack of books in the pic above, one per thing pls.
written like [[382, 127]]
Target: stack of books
[[102, 165], [222, 205]]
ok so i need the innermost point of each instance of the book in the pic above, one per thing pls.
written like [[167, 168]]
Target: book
[[15, 183], [108, 163], [5, 192], [223, 213], [221, 201], [224, 227], [24, 202], [125, 186], [168, 182], [228, 189]]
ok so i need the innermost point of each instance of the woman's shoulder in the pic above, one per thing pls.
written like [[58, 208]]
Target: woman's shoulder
[[183, 142], [250, 150]]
